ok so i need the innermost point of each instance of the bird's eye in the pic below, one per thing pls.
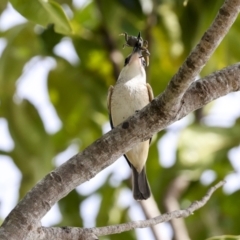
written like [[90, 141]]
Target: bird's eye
[[126, 60]]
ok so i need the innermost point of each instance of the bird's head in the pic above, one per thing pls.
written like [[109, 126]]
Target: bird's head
[[135, 63]]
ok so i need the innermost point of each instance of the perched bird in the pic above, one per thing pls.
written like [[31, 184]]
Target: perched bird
[[130, 94]]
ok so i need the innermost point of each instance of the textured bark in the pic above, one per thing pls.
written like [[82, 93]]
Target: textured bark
[[25, 218], [181, 97], [73, 233], [200, 55]]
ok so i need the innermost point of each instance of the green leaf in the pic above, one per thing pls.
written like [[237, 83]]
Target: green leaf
[[44, 13], [83, 99], [28, 133], [212, 139], [16, 54]]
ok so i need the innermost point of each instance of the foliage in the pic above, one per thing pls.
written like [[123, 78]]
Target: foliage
[[78, 93]]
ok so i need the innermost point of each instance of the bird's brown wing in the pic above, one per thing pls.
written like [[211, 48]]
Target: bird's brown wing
[[150, 92], [151, 97], [110, 91]]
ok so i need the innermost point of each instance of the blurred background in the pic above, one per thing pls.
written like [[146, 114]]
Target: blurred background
[[53, 89]]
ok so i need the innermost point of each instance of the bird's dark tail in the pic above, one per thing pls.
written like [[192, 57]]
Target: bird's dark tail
[[141, 190]]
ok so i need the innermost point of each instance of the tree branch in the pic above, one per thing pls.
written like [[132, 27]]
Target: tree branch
[[107, 149], [205, 90], [200, 55], [83, 166], [73, 233], [168, 107]]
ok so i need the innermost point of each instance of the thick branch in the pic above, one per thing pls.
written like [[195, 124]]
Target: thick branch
[[25, 218], [107, 149], [207, 89], [200, 55], [73, 233]]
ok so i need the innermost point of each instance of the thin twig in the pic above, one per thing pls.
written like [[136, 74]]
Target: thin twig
[[108, 230]]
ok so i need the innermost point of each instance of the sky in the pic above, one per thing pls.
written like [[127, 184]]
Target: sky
[[224, 113]]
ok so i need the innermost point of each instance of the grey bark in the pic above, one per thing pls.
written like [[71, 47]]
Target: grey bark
[[181, 97], [73, 233]]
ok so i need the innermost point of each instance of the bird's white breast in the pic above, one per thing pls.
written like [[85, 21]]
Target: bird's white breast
[[127, 98]]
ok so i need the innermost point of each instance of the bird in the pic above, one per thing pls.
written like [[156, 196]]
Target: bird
[[129, 95]]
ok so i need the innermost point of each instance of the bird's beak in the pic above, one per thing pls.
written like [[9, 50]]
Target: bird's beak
[[138, 44], [136, 53]]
